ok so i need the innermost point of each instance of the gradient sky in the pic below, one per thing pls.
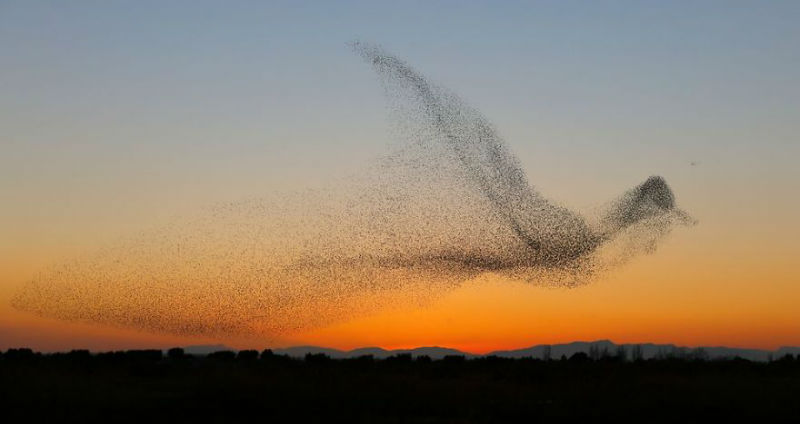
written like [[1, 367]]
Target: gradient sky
[[117, 115]]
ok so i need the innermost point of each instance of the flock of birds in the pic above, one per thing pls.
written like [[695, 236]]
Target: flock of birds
[[448, 204]]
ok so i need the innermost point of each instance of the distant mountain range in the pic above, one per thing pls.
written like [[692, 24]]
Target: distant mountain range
[[556, 351]]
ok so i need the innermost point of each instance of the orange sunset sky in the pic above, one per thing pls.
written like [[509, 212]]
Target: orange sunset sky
[[116, 118]]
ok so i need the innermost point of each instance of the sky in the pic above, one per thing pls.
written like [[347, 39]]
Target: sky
[[119, 115]]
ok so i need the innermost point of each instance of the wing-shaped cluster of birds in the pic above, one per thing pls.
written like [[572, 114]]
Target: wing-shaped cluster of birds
[[449, 203]]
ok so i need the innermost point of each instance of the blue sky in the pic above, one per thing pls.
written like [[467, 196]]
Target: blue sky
[[201, 101]]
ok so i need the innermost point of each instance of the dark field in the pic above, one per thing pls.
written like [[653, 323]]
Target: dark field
[[146, 386]]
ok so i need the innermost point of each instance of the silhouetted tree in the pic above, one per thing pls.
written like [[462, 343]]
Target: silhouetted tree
[[76, 357], [400, 357], [247, 355], [144, 355], [622, 353], [637, 354], [580, 357], [222, 355], [678, 353], [269, 356], [547, 352], [594, 352], [699, 354], [364, 359], [79, 355], [317, 358], [23, 353], [175, 353], [454, 359]]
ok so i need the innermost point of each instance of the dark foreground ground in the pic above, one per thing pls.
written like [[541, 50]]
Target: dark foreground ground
[[146, 386]]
